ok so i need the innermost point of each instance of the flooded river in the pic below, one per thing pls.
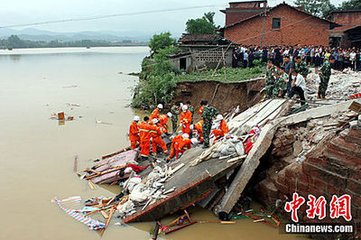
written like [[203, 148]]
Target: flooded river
[[37, 153]]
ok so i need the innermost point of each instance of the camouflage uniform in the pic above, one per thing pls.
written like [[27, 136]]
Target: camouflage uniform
[[208, 114], [325, 73], [175, 112], [280, 84], [302, 69], [270, 81]]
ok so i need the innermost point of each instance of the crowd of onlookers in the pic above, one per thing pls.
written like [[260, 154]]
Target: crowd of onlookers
[[313, 55]]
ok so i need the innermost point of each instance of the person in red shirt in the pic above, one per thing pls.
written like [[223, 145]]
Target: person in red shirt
[[185, 120], [156, 135], [144, 135], [156, 112], [179, 145], [222, 127], [134, 133]]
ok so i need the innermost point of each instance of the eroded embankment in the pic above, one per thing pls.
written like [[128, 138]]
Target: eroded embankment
[[224, 96]]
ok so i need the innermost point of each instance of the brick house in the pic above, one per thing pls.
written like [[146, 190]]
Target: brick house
[[280, 25], [348, 34], [202, 51]]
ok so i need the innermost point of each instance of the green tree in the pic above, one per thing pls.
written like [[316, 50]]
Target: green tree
[[203, 25], [350, 4], [319, 8], [161, 41], [15, 42]]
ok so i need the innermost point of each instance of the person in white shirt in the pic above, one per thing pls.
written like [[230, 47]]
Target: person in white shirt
[[353, 60], [245, 59], [298, 86]]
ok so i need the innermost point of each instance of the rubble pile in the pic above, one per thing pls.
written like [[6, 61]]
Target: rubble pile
[[342, 85], [147, 191]]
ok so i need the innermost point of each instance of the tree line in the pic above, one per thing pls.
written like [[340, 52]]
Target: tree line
[[323, 8], [14, 41]]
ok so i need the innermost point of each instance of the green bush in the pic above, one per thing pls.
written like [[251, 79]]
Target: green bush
[[156, 89]]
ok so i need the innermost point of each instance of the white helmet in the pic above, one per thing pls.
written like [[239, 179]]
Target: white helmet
[[184, 108], [169, 114], [128, 170], [136, 118], [160, 106], [191, 127], [185, 135], [155, 120], [219, 117]]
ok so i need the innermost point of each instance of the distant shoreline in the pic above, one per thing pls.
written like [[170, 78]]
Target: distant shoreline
[[118, 45]]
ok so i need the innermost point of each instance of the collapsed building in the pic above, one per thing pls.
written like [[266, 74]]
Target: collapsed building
[[273, 150]]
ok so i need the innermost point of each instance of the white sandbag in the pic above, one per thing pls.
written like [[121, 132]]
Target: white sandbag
[[139, 193], [133, 182], [239, 148]]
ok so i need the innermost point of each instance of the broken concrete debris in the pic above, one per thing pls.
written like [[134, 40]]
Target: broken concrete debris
[[216, 178]]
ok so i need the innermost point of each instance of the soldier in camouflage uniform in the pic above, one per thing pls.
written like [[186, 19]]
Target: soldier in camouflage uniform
[[208, 114], [175, 110], [281, 83], [301, 67], [270, 79], [325, 74]]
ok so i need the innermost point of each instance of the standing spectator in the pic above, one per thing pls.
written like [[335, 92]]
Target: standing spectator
[[353, 59], [289, 66], [264, 55], [245, 59]]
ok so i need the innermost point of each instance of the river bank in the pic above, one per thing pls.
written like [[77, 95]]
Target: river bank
[[38, 154]]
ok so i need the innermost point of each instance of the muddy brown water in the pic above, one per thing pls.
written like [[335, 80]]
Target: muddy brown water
[[37, 153]]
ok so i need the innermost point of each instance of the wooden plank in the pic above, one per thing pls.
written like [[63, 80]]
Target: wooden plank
[[247, 169]]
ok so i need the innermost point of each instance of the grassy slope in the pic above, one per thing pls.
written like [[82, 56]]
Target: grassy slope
[[223, 75]]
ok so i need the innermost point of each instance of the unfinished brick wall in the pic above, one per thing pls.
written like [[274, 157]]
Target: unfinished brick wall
[[333, 167], [296, 28]]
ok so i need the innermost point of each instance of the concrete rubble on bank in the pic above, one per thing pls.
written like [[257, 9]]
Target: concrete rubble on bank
[[215, 178]]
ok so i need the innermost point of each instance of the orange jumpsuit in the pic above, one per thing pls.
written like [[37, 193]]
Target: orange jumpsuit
[[144, 135], [223, 129], [199, 128], [134, 135], [179, 145], [154, 114], [157, 140], [186, 119], [163, 120]]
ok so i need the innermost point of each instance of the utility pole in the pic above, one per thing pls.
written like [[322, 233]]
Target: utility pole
[[264, 23]]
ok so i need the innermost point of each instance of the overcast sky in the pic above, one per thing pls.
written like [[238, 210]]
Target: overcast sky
[[29, 11]]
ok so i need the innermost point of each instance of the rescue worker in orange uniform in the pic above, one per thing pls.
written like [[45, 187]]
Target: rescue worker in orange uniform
[[144, 135], [185, 120], [163, 122], [179, 145], [222, 127], [198, 127], [134, 133], [156, 112], [156, 135]]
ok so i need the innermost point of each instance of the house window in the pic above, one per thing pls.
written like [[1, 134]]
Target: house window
[[276, 23]]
